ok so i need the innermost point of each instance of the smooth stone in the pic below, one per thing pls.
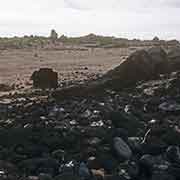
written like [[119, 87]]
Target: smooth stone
[[122, 149]]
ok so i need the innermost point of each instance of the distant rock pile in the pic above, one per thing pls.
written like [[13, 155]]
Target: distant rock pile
[[45, 78]]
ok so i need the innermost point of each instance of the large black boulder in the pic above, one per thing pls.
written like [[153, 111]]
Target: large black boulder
[[45, 78]]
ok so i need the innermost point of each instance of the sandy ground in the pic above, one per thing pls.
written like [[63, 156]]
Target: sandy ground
[[18, 65]]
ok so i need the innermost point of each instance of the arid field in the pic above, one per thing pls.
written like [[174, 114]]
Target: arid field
[[16, 66]]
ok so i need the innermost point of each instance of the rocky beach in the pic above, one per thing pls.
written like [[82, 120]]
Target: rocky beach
[[121, 126]]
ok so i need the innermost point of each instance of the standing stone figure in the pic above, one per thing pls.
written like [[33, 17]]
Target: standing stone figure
[[54, 36]]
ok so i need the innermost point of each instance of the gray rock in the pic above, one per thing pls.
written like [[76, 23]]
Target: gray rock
[[122, 149]]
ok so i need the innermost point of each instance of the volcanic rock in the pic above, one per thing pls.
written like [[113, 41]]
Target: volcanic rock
[[122, 149]]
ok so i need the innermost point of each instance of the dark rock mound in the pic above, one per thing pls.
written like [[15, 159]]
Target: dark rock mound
[[45, 78], [137, 67], [174, 59], [140, 66], [160, 60]]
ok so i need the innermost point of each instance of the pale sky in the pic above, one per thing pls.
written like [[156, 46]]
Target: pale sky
[[122, 18]]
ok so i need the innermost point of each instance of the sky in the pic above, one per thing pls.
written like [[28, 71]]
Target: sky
[[141, 19]]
